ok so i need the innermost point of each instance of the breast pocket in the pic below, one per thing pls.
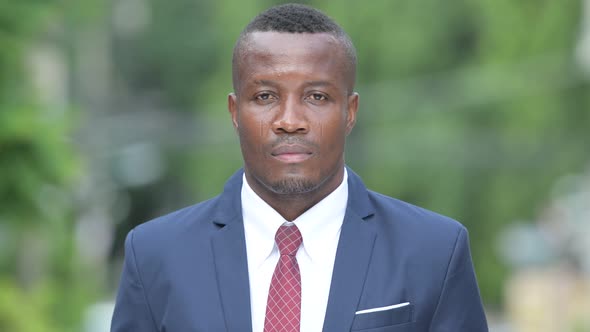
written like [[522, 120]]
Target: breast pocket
[[377, 319]]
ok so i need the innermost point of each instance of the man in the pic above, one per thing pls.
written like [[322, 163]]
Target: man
[[296, 242]]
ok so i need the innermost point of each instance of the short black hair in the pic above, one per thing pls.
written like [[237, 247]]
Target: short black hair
[[294, 18]]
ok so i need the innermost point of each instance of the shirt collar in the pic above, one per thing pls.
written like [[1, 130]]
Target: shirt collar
[[322, 222]]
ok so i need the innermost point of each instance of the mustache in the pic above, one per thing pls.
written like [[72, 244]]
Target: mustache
[[293, 140]]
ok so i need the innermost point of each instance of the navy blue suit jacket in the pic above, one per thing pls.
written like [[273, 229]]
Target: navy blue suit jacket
[[187, 271]]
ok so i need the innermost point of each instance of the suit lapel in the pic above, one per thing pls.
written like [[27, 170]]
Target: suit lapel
[[229, 254], [352, 258]]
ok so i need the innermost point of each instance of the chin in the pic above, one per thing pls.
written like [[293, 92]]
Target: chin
[[293, 186]]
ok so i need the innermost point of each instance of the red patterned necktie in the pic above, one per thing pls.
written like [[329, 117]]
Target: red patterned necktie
[[283, 308]]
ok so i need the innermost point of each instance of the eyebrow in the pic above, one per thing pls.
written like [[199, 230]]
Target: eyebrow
[[306, 83], [265, 82], [319, 83]]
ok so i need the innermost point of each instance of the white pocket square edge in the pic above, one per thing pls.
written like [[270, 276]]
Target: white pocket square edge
[[389, 307]]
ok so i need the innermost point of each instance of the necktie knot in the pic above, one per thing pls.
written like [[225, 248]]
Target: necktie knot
[[288, 239]]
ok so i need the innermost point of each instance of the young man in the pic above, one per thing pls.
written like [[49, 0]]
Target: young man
[[296, 242]]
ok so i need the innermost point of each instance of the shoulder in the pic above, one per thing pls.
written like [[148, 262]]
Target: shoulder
[[169, 233], [197, 220], [399, 222], [177, 221], [411, 224]]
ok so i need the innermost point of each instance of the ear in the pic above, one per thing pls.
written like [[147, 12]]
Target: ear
[[353, 107], [232, 107]]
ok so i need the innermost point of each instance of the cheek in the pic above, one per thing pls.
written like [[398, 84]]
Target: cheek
[[332, 132], [254, 121], [262, 128], [253, 133]]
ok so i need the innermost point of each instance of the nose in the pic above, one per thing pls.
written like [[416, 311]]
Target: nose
[[291, 118]]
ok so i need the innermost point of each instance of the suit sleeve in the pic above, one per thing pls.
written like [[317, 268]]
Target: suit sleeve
[[132, 311], [459, 307]]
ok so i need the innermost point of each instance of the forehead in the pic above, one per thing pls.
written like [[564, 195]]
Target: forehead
[[315, 56]]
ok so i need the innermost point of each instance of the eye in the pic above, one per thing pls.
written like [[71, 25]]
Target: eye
[[318, 97], [264, 97]]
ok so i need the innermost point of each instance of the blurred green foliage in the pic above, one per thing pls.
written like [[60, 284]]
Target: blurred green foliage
[[19, 311], [41, 289], [35, 154], [471, 108], [48, 307]]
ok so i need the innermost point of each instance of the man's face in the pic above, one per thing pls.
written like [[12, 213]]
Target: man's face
[[293, 108]]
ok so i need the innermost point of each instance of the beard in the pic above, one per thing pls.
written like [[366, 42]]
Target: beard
[[293, 186]]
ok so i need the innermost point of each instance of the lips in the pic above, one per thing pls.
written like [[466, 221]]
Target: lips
[[291, 153]]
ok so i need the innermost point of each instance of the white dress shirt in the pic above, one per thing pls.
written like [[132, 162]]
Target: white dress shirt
[[320, 228]]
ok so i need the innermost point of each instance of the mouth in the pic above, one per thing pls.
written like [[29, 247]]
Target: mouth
[[291, 153]]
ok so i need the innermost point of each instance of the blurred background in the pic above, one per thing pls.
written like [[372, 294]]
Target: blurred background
[[113, 112]]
